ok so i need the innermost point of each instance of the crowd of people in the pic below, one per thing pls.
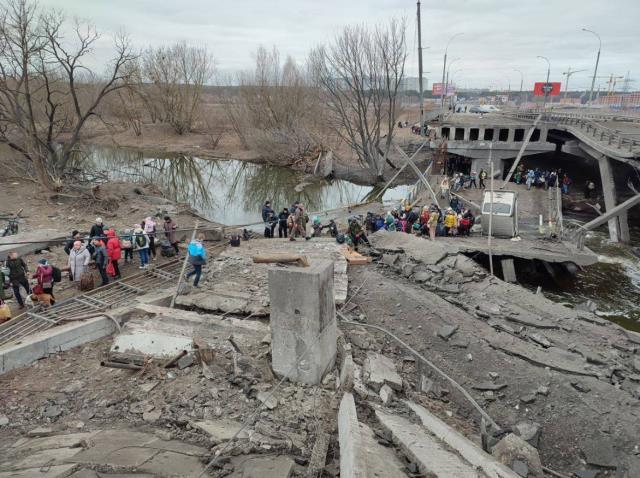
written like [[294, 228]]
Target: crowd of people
[[105, 249], [430, 221], [291, 222]]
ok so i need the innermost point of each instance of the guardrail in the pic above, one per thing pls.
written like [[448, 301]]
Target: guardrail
[[613, 137]]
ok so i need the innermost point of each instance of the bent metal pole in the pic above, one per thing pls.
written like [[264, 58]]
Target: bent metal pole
[[184, 266]]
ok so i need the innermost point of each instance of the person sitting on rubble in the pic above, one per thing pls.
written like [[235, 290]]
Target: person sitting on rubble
[[316, 226], [197, 258], [356, 234], [450, 222], [390, 222]]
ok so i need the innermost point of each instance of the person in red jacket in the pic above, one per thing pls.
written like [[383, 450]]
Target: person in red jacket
[[114, 252], [44, 275]]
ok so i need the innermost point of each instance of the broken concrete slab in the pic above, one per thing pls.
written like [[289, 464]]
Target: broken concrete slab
[[529, 432], [48, 457], [50, 471], [599, 452], [353, 457], [71, 440], [269, 401], [422, 448], [379, 370], [513, 448], [51, 341], [382, 462], [171, 464], [446, 332], [220, 430], [260, 466], [456, 441]]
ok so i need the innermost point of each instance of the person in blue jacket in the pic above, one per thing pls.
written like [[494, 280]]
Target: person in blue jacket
[[197, 258]]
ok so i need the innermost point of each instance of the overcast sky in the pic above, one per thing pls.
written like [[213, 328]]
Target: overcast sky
[[498, 36]]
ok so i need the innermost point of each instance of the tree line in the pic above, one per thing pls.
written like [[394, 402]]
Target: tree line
[[346, 92]]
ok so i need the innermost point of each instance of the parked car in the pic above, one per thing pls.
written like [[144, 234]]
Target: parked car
[[475, 109]]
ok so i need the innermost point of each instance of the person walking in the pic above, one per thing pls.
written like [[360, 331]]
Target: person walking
[[101, 260], [282, 223], [432, 223], [141, 244], [44, 276], [267, 217], [482, 176], [127, 246], [18, 273], [114, 252], [444, 188], [299, 223], [170, 227], [197, 258], [472, 179], [566, 182], [97, 230], [149, 226], [531, 176], [79, 258]]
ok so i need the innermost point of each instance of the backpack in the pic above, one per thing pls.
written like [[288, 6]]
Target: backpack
[[140, 240], [126, 244], [57, 274], [235, 240]]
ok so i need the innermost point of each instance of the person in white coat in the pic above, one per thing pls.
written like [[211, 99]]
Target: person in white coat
[[79, 258]]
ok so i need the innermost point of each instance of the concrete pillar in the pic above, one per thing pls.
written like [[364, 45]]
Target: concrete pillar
[[508, 270], [303, 321], [467, 134], [618, 226], [512, 135], [543, 135]]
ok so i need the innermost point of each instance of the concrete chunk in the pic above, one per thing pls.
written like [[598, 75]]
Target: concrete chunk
[[219, 430], [380, 370], [423, 449], [303, 321], [353, 460], [466, 448], [513, 448]]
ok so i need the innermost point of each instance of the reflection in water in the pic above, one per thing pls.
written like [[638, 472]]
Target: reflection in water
[[230, 192]]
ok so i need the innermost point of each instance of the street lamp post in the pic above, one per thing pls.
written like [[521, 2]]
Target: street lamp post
[[444, 68], [521, 83], [544, 104], [595, 71], [568, 74]]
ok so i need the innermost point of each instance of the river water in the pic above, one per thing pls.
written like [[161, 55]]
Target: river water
[[232, 192]]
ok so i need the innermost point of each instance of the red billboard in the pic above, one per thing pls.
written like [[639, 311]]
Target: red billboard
[[542, 88], [436, 89]]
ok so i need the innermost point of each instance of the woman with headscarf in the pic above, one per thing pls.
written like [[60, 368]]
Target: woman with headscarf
[[79, 258], [149, 226], [44, 276]]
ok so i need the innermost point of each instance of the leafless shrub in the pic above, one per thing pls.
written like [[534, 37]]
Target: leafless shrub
[[178, 74], [358, 76], [47, 92]]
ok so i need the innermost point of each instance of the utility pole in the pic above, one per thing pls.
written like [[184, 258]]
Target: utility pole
[[422, 132], [595, 70], [521, 83], [444, 68], [568, 74], [546, 94]]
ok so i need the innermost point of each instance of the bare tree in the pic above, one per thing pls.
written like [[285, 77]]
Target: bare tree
[[47, 93], [359, 75], [271, 109], [178, 74]]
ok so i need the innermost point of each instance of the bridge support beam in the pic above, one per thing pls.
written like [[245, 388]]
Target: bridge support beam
[[619, 225]]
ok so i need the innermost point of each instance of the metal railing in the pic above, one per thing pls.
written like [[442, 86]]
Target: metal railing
[[586, 125]]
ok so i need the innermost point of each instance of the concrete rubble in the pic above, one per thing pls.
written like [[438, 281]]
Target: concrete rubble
[[203, 384]]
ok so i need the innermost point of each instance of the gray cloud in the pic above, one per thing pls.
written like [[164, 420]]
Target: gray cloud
[[498, 36]]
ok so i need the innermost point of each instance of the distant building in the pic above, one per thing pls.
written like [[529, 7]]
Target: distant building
[[412, 83]]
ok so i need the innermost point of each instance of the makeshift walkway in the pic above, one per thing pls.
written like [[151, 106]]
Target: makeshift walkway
[[116, 293]]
